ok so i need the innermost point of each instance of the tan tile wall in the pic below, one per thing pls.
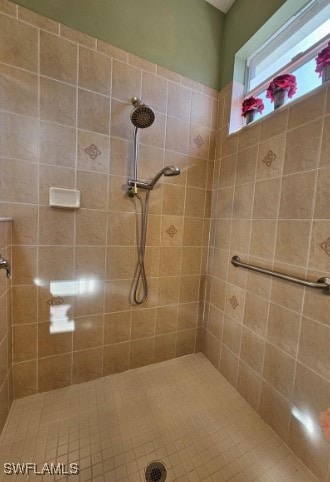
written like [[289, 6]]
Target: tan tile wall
[[65, 122], [6, 382], [63, 93], [270, 206]]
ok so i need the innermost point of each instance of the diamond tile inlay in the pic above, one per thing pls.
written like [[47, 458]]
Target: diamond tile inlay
[[270, 158], [171, 231], [234, 303], [93, 151], [55, 301], [326, 246], [199, 141]]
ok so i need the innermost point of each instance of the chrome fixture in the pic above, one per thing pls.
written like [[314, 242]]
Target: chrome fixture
[[156, 472], [167, 171], [4, 264], [149, 185], [143, 116], [322, 283]]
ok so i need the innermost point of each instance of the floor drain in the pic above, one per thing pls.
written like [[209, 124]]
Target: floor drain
[[156, 472]]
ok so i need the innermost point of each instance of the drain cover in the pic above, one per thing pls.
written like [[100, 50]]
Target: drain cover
[[156, 472]]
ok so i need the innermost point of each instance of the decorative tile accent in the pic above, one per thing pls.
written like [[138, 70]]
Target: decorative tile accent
[[199, 141], [172, 231], [93, 151], [326, 246], [234, 303], [55, 301], [270, 158]]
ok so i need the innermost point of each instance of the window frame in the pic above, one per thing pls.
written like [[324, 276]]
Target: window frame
[[290, 67], [272, 28], [300, 59]]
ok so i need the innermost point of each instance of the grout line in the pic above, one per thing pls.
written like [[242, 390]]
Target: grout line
[[260, 375], [38, 209], [250, 242], [274, 254], [307, 258], [73, 244]]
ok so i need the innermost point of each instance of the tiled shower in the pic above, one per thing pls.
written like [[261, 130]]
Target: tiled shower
[[65, 103], [268, 337], [69, 116], [6, 391]]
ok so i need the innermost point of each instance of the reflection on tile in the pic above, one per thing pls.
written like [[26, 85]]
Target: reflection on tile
[[72, 271]]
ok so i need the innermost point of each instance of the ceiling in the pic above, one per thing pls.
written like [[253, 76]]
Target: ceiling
[[223, 5]]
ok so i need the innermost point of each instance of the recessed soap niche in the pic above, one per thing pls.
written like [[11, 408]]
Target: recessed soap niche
[[64, 198]]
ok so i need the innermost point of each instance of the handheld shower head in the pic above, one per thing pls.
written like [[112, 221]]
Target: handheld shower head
[[142, 116], [171, 171], [167, 171]]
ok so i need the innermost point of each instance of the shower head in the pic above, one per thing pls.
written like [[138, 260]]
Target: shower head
[[167, 171], [142, 116], [171, 171]]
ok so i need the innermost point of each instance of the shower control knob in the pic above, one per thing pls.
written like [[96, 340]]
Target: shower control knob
[[5, 265]]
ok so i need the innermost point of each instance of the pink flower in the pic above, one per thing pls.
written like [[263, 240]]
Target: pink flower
[[252, 103], [322, 59], [282, 82], [324, 418]]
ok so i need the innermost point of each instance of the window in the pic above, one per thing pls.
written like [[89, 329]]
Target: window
[[293, 50]]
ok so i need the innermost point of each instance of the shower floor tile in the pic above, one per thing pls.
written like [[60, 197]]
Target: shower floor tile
[[181, 412]]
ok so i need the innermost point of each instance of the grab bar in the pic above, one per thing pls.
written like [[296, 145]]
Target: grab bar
[[322, 283]]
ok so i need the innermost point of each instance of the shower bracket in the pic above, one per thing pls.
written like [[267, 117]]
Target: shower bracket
[[134, 184]]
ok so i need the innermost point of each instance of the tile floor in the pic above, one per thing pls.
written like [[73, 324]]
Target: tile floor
[[182, 412]]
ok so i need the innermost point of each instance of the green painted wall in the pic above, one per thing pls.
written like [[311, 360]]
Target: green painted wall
[[190, 37], [242, 21], [182, 35]]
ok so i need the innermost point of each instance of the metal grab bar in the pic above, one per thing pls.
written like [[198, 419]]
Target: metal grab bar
[[322, 283]]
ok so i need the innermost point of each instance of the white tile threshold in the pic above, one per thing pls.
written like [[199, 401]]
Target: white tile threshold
[[182, 412]]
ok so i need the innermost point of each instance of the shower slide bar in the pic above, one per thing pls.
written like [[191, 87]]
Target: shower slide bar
[[322, 283]]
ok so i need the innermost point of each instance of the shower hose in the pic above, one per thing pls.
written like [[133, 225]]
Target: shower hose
[[140, 274]]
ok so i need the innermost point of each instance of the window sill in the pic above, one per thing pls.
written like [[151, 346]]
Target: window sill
[[233, 125]]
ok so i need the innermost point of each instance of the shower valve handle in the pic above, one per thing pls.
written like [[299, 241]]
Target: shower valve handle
[[5, 265]]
